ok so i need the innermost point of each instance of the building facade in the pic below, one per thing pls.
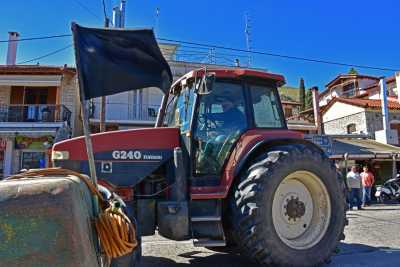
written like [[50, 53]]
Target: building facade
[[38, 106], [347, 86], [359, 116]]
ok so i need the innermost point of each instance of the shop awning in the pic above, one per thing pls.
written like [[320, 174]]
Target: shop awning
[[27, 131], [30, 80], [358, 148]]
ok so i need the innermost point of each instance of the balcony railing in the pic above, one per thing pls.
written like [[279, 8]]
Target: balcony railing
[[126, 112], [34, 113]]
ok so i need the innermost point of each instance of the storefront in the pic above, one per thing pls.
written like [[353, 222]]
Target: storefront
[[382, 159], [32, 152]]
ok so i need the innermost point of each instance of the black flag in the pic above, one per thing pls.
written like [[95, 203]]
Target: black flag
[[111, 61]]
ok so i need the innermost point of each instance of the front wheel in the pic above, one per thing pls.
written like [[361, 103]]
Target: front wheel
[[289, 208], [383, 198]]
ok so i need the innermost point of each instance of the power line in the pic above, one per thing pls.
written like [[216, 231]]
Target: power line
[[46, 55], [202, 46], [87, 9], [282, 56], [37, 38]]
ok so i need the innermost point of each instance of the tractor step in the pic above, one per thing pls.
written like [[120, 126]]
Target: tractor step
[[206, 223], [209, 243], [206, 219]]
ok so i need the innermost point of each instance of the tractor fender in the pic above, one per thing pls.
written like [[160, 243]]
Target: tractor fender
[[264, 145]]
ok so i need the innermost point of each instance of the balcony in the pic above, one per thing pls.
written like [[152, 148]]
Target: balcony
[[127, 112], [34, 113]]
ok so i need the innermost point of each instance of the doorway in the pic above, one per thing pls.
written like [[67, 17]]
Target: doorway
[[396, 126]]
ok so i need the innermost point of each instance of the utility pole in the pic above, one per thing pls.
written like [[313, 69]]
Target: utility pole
[[103, 98], [157, 26], [247, 32]]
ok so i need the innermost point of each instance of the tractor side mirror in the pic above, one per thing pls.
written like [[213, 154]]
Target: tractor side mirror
[[206, 84]]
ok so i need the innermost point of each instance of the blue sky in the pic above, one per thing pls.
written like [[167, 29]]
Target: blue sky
[[358, 32]]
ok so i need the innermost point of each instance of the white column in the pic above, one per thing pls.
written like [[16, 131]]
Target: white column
[[398, 85], [8, 157], [385, 112]]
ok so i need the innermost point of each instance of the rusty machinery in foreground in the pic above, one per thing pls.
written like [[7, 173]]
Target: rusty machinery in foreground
[[222, 168]]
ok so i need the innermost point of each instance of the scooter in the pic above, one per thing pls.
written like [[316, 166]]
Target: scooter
[[390, 190]]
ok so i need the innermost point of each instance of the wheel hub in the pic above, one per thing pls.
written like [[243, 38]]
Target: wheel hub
[[295, 208]]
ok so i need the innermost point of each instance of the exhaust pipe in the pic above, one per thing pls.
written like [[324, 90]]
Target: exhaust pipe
[[179, 191]]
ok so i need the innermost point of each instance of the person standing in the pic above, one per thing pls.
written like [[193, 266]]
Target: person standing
[[354, 186], [368, 181]]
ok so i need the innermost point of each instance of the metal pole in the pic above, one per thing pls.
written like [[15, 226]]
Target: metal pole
[[122, 14], [345, 156], [103, 98], [394, 166], [385, 111], [161, 111]]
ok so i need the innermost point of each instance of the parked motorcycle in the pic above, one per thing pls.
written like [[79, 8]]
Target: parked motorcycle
[[389, 191]]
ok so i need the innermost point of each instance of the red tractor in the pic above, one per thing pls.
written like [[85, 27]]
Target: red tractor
[[222, 168]]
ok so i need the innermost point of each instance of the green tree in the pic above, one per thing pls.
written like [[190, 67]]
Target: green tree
[[308, 99], [302, 94], [353, 71]]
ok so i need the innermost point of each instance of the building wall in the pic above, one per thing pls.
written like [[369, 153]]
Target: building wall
[[339, 125], [70, 98], [375, 122], [367, 122], [328, 97], [5, 92], [340, 110]]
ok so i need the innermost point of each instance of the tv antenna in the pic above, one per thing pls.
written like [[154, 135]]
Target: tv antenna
[[247, 32]]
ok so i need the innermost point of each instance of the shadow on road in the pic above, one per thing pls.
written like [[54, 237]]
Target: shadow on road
[[219, 259], [346, 249], [364, 255], [348, 255]]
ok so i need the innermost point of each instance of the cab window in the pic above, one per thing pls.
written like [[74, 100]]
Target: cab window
[[180, 110], [267, 113]]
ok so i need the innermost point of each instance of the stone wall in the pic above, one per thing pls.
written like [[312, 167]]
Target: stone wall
[[375, 122], [5, 93], [367, 122], [69, 98], [339, 126]]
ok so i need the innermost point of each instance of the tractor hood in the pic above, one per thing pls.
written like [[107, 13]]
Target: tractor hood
[[122, 158]]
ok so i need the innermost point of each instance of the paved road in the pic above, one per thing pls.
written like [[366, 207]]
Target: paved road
[[372, 239]]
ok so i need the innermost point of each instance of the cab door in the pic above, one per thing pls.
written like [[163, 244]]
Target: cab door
[[221, 118]]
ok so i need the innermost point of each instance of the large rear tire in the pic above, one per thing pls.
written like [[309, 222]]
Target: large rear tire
[[288, 209]]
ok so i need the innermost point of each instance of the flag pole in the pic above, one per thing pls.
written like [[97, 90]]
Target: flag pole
[[85, 122]]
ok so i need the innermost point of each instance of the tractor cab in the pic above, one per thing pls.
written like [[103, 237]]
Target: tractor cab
[[214, 108]]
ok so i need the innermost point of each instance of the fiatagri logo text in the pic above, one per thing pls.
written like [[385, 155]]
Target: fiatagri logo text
[[134, 155]]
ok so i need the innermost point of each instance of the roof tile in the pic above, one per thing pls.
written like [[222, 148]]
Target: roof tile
[[368, 103]]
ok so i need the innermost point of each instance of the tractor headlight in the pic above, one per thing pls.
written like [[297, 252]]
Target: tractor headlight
[[59, 155]]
